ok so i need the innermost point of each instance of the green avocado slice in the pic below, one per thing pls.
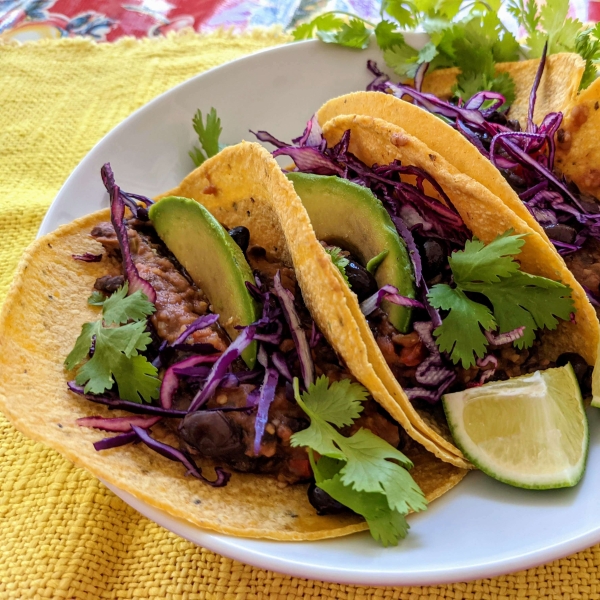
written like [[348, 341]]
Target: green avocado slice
[[213, 260], [348, 215]]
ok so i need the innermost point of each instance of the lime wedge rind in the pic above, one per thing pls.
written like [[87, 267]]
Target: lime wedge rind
[[542, 418]]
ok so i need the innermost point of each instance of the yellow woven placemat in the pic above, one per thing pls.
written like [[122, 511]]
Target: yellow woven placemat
[[62, 533]]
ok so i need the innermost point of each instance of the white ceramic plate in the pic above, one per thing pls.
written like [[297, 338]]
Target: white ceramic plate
[[480, 529]]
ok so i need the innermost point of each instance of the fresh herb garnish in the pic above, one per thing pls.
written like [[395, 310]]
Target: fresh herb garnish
[[564, 34], [464, 34], [339, 260], [517, 299], [208, 135], [116, 348], [356, 471]]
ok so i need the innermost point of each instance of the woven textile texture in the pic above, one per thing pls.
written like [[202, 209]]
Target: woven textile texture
[[62, 533]]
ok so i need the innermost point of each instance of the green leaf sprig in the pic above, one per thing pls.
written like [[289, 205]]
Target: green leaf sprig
[[118, 338], [208, 135], [550, 21], [463, 33], [363, 471], [516, 299], [339, 260]]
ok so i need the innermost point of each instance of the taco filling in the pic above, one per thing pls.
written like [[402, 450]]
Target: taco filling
[[228, 389], [531, 157], [468, 315]]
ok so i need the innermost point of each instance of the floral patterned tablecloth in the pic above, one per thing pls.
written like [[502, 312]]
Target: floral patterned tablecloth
[[26, 20]]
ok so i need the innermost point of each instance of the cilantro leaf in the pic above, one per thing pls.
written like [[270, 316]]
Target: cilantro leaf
[[517, 299], [528, 300], [387, 36], [208, 135], [120, 308], [386, 525], [362, 471], [460, 333], [330, 28], [588, 46], [339, 404], [96, 299], [402, 58], [116, 356], [487, 263], [339, 261], [353, 35], [403, 11], [526, 13]]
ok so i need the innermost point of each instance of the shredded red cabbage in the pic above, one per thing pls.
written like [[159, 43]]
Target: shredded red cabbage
[[291, 316], [133, 407], [391, 294], [170, 381], [130, 200], [116, 441], [221, 366], [87, 257], [179, 456], [117, 216], [119, 424], [525, 158], [267, 395]]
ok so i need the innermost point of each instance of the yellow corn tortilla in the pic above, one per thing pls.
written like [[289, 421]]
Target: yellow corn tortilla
[[557, 90], [578, 147], [42, 317], [375, 141], [461, 155], [243, 185]]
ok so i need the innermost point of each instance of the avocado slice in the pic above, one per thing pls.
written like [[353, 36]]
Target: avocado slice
[[348, 215], [213, 260]]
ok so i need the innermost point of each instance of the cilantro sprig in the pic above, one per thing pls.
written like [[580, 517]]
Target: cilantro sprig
[[463, 33], [339, 260], [491, 292], [118, 338], [363, 471], [208, 135], [550, 21]]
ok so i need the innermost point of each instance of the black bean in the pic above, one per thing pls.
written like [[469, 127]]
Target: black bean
[[363, 284], [497, 117], [241, 236], [513, 124], [561, 233], [434, 259], [580, 368], [323, 503], [211, 433]]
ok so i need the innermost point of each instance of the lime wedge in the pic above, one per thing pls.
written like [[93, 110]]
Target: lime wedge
[[529, 431]]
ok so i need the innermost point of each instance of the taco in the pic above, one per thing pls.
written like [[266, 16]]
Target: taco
[[211, 390], [539, 156], [438, 217]]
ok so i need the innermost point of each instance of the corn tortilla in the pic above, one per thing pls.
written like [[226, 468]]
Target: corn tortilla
[[228, 188], [461, 155], [42, 317], [375, 141], [558, 86], [577, 148]]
